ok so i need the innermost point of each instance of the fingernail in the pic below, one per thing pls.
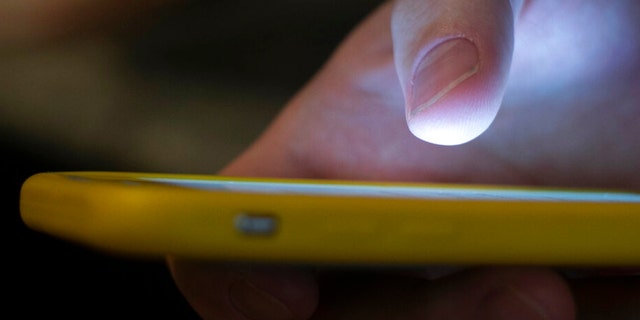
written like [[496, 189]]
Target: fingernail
[[256, 304], [510, 303], [443, 68]]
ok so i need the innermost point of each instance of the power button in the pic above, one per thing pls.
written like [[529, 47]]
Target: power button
[[256, 224]]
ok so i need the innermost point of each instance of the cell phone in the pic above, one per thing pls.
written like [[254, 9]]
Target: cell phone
[[306, 221]]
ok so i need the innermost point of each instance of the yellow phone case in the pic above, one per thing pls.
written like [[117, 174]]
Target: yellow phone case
[[143, 215]]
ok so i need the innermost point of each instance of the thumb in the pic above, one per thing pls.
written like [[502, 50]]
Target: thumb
[[453, 59]]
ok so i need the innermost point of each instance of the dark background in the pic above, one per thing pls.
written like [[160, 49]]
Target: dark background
[[52, 278], [184, 93]]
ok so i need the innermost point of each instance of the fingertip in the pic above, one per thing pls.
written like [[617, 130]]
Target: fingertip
[[456, 121], [258, 293], [453, 60], [446, 135], [529, 294], [455, 93], [285, 294]]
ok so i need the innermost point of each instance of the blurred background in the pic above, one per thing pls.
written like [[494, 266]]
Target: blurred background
[[158, 85]]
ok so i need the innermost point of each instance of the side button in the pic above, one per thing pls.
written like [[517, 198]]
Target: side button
[[256, 224]]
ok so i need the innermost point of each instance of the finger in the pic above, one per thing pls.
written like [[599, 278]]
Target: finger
[[228, 292], [500, 293], [452, 59]]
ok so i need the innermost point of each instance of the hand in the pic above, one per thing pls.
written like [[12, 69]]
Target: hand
[[566, 77]]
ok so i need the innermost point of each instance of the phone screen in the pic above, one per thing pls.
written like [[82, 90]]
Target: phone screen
[[391, 191]]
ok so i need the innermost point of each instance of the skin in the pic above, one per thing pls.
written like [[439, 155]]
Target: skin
[[565, 78], [563, 75]]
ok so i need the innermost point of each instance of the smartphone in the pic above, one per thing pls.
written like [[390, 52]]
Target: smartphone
[[306, 221]]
